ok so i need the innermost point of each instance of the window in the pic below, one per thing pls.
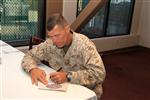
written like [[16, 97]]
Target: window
[[20, 19], [113, 19]]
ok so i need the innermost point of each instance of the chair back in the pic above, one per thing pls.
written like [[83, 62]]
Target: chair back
[[34, 40]]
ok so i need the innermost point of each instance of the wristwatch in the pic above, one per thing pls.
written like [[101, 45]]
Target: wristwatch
[[69, 76]]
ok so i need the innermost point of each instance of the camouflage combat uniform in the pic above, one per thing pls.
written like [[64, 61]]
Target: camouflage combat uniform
[[81, 59]]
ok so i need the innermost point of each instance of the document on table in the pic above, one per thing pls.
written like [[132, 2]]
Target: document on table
[[53, 86], [8, 49]]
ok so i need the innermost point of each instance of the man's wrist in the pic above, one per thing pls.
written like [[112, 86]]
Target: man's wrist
[[32, 69], [69, 76]]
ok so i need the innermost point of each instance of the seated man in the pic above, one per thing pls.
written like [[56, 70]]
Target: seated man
[[74, 53]]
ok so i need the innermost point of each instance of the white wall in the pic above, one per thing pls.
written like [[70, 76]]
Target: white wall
[[144, 24], [104, 44], [116, 42]]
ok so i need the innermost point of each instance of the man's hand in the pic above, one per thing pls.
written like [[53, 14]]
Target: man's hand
[[58, 77], [38, 74]]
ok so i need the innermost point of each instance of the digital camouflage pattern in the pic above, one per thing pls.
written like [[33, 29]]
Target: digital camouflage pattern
[[81, 59]]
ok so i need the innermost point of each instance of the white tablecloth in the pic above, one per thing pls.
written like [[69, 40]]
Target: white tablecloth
[[16, 84]]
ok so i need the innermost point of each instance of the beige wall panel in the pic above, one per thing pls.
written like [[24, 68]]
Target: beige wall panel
[[144, 24]]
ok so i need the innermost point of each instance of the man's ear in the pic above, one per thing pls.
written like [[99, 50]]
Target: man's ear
[[67, 28]]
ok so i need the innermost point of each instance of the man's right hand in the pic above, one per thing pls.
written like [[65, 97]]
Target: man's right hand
[[38, 74]]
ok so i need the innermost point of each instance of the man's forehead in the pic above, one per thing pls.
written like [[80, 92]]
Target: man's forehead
[[53, 33]]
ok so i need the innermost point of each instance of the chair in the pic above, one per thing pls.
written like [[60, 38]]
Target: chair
[[35, 40]]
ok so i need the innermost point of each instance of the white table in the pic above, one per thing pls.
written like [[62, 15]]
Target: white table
[[16, 83]]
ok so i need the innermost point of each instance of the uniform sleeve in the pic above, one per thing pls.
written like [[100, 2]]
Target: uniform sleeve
[[34, 56], [94, 71]]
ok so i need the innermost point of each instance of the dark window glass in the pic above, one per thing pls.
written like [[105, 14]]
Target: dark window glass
[[94, 28], [114, 18], [119, 17], [81, 4]]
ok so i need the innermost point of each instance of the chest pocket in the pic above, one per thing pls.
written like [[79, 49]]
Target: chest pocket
[[73, 63], [55, 59]]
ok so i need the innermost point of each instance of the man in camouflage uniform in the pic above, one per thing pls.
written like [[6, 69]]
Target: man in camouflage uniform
[[73, 52]]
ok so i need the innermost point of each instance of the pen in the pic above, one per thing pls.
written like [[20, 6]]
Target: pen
[[59, 69]]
